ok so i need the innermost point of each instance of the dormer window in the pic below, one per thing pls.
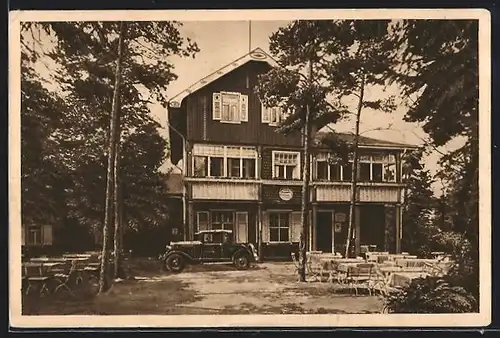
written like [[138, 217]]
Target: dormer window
[[230, 107]]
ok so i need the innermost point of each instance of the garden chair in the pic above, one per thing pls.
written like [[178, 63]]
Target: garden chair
[[333, 273], [380, 281], [64, 276], [359, 277], [382, 258], [35, 277], [295, 261], [314, 266], [434, 269]]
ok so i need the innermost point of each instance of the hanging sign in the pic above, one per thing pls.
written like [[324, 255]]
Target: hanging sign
[[338, 227]]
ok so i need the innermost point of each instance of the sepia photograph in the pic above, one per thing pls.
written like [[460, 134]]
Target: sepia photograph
[[263, 168]]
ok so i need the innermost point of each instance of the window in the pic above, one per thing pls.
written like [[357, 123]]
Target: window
[[378, 168], [224, 161], [217, 166], [272, 115], [286, 165], [34, 235], [372, 168], [200, 166], [279, 227], [347, 172], [230, 107], [223, 220], [327, 171], [322, 170]]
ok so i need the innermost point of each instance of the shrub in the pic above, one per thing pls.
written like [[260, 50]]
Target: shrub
[[430, 295]]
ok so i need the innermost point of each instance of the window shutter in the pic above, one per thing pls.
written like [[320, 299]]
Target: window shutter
[[47, 234], [23, 236], [202, 220], [295, 227], [216, 106], [244, 108], [242, 227], [265, 227], [265, 114]]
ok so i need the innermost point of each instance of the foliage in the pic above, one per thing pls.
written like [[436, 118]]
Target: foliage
[[430, 295], [42, 172], [438, 74], [419, 204], [341, 52], [85, 53]]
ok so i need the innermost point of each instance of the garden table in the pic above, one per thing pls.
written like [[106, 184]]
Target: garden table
[[400, 279], [48, 259]]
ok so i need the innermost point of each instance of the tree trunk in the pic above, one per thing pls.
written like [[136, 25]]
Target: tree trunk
[[354, 178], [118, 270], [304, 214], [103, 279]]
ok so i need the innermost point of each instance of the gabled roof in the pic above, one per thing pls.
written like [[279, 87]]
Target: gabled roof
[[366, 142], [255, 55]]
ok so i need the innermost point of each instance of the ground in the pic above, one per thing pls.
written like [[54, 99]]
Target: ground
[[267, 288]]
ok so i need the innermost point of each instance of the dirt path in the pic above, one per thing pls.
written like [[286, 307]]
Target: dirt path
[[268, 288]]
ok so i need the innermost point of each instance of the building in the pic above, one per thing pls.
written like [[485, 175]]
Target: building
[[240, 174]]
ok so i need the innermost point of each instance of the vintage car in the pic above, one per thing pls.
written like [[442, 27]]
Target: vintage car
[[210, 246]]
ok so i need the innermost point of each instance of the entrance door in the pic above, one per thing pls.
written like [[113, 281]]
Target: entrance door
[[324, 231]]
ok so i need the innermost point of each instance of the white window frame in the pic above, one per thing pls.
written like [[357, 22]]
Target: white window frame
[[385, 161], [225, 156], [242, 101], [289, 214], [328, 167], [269, 119], [297, 168]]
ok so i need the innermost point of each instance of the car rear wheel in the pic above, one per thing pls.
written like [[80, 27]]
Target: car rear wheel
[[175, 263], [242, 262]]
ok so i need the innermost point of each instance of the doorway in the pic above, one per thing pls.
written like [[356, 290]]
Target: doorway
[[324, 231]]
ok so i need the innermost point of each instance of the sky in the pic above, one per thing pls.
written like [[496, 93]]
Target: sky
[[222, 42]]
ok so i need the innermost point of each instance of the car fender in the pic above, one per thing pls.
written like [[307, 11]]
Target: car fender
[[240, 251], [185, 255]]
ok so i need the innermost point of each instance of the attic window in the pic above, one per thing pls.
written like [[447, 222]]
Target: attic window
[[272, 115], [230, 107]]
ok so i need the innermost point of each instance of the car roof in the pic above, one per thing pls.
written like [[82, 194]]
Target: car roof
[[214, 231]]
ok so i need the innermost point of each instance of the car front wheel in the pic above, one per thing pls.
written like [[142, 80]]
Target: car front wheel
[[242, 262], [175, 263]]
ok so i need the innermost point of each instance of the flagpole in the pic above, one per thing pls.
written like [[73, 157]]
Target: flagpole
[[249, 36]]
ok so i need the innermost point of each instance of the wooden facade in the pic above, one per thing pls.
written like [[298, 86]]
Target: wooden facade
[[260, 197]]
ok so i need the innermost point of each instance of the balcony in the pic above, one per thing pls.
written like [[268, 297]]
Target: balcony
[[367, 192], [224, 189]]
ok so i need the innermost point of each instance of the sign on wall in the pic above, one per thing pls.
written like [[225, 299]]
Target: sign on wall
[[338, 227], [285, 194], [340, 217]]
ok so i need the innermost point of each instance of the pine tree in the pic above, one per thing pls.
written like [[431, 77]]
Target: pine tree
[[323, 63], [85, 54], [439, 75]]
